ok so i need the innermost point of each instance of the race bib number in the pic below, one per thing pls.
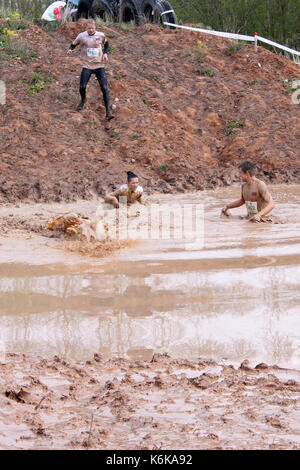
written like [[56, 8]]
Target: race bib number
[[251, 207], [93, 52]]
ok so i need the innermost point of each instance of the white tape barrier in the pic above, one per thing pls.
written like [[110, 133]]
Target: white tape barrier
[[275, 44], [242, 37], [168, 11], [236, 36]]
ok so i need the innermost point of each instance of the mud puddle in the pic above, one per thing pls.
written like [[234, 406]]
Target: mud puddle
[[235, 298], [84, 340]]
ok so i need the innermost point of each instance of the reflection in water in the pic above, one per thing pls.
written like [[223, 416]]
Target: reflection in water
[[225, 301]]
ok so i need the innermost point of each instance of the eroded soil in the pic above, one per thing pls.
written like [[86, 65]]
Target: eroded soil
[[173, 122]]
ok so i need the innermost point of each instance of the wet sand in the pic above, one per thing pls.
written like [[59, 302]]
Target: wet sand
[[236, 298]]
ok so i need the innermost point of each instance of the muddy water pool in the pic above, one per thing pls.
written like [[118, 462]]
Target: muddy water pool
[[236, 297]]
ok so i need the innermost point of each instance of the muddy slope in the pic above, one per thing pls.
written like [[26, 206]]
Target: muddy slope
[[172, 121]]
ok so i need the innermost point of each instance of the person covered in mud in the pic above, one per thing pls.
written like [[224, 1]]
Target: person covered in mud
[[131, 190], [94, 48], [255, 195], [85, 9]]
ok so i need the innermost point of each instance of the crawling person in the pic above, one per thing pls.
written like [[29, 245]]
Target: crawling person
[[94, 49], [255, 195], [131, 190]]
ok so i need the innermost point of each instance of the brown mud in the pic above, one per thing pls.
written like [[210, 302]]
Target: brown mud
[[157, 404], [240, 290], [173, 122]]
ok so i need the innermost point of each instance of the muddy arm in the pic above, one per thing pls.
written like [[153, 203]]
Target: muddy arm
[[265, 194], [238, 203], [141, 200], [113, 198], [268, 208]]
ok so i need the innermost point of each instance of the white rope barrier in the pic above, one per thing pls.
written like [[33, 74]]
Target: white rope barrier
[[242, 37], [213, 33], [275, 44]]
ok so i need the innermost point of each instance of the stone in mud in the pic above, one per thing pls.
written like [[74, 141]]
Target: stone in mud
[[21, 396]]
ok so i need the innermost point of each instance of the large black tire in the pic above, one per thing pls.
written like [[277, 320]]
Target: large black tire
[[104, 10], [152, 11], [129, 11]]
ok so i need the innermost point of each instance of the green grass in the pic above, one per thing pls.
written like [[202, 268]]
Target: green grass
[[204, 72], [128, 27], [135, 136], [253, 82], [164, 167], [11, 20], [208, 73], [184, 54], [289, 85], [36, 88], [234, 125], [37, 83], [10, 46], [13, 48], [93, 124], [234, 47], [153, 76]]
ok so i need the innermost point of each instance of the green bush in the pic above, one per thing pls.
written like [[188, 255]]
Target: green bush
[[234, 46], [10, 45], [164, 167], [234, 125]]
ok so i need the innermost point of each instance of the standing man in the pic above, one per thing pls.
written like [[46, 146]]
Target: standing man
[[255, 195], [94, 49]]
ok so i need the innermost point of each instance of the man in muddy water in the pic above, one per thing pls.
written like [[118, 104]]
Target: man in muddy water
[[94, 49], [255, 195]]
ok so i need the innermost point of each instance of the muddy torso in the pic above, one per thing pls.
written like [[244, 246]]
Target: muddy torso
[[91, 49], [130, 195], [255, 195]]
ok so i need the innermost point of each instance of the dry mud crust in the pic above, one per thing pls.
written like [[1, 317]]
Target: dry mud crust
[[173, 122], [161, 404]]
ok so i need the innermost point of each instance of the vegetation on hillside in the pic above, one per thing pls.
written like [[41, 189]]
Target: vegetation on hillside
[[274, 19]]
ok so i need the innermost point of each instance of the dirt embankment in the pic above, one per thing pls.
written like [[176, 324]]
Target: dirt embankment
[[161, 404], [175, 102]]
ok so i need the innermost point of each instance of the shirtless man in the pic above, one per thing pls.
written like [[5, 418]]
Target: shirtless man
[[94, 48], [255, 195], [132, 191]]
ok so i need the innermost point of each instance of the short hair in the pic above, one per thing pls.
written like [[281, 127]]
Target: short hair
[[249, 166], [90, 21]]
